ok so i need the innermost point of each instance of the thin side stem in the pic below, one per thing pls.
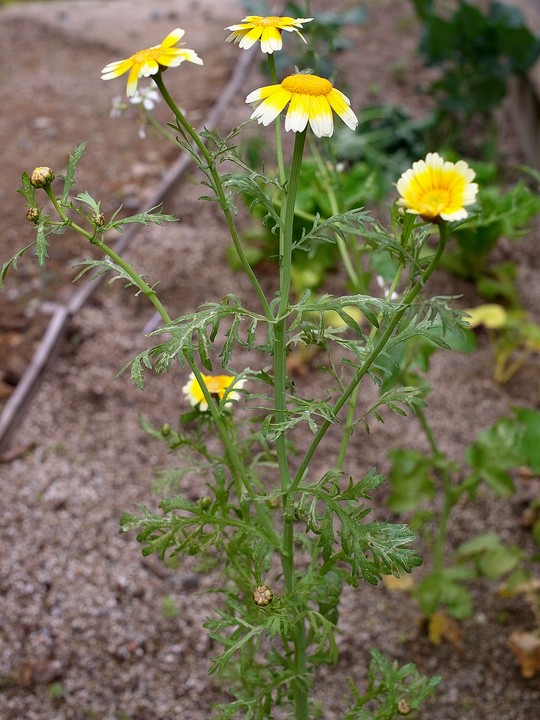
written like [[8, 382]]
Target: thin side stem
[[277, 123], [448, 499], [362, 371], [237, 466], [336, 209], [218, 189]]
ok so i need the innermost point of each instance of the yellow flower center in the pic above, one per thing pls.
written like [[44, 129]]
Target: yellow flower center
[[269, 21], [307, 85], [435, 200], [141, 56], [217, 384]]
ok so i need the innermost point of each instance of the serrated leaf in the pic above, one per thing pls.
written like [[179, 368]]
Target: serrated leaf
[[69, 179], [12, 263], [351, 221], [28, 190], [87, 199], [41, 244], [370, 307], [151, 216], [371, 549]]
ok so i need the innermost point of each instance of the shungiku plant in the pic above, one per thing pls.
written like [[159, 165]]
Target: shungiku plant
[[282, 535]]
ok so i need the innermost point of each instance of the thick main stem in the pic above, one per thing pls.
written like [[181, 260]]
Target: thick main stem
[[280, 404]]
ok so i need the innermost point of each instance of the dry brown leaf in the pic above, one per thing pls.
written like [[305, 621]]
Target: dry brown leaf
[[441, 627], [526, 647]]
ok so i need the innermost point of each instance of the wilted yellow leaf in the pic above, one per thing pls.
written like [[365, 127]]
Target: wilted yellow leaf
[[442, 627], [491, 316], [398, 584], [526, 647]]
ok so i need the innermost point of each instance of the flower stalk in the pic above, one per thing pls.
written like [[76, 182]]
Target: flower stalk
[[280, 403], [218, 189]]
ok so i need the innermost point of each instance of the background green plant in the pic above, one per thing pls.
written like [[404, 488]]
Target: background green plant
[[512, 443], [476, 53]]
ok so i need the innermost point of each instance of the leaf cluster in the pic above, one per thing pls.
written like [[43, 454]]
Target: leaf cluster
[[392, 690], [477, 51], [335, 515]]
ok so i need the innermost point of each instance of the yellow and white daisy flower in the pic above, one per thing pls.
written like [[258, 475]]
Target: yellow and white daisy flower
[[147, 62], [266, 29], [218, 386], [311, 99], [437, 189]]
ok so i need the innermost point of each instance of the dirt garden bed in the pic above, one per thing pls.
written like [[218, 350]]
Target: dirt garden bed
[[88, 628]]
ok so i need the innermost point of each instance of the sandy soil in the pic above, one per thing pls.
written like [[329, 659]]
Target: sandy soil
[[82, 614]]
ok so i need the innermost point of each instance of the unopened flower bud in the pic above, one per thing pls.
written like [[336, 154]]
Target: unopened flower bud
[[32, 215], [403, 707], [165, 429], [42, 177], [99, 220], [205, 502], [262, 595]]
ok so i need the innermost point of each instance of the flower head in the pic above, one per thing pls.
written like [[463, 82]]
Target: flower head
[[312, 100], [266, 29], [437, 189], [217, 385], [42, 177], [262, 595], [147, 62]]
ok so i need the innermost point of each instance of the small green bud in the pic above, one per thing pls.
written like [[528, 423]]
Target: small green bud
[[262, 595], [99, 220], [205, 502], [32, 215], [165, 429], [42, 177]]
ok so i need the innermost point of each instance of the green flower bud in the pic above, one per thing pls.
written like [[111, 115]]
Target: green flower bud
[[42, 177], [262, 595], [205, 502], [165, 429], [32, 215], [99, 220]]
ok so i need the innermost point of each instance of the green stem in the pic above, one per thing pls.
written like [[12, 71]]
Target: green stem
[[218, 189], [351, 411], [448, 496], [287, 229], [329, 184], [280, 403], [151, 120], [277, 123], [373, 355], [237, 466]]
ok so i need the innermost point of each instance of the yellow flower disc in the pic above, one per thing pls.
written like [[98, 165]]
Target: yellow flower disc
[[307, 85]]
